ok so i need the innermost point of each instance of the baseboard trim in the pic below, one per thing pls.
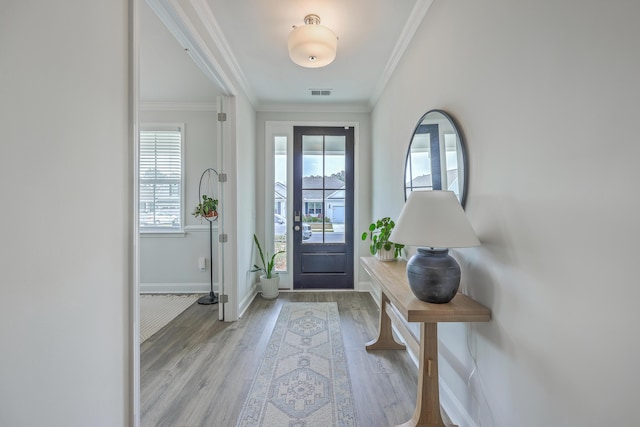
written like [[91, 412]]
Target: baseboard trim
[[177, 288], [366, 287], [453, 408], [246, 301]]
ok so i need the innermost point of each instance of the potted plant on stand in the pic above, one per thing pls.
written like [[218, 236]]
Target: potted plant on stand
[[380, 246], [207, 208], [269, 280]]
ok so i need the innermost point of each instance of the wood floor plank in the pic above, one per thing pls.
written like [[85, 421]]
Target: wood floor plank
[[197, 371]]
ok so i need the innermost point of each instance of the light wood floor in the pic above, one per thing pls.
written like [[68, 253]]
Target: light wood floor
[[197, 371]]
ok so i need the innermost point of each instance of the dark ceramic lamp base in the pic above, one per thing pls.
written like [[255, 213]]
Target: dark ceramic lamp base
[[434, 276]]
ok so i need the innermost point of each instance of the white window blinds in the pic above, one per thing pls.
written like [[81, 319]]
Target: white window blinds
[[160, 195]]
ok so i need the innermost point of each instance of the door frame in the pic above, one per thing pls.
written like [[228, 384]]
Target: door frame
[[285, 128], [170, 15]]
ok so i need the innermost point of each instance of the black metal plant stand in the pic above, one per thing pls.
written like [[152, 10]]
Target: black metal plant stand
[[212, 298]]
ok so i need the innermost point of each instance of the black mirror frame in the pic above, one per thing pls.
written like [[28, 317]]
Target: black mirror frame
[[463, 150]]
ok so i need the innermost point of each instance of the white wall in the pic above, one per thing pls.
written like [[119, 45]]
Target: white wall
[[65, 246], [169, 263], [546, 94]]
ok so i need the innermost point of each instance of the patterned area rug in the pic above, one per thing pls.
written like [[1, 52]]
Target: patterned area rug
[[156, 311], [303, 379]]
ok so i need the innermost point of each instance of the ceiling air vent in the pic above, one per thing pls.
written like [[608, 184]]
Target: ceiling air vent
[[320, 92]]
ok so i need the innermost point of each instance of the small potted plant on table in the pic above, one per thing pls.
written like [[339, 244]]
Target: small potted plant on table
[[270, 280], [380, 246]]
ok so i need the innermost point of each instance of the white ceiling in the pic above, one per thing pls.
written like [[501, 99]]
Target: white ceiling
[[372, 35]]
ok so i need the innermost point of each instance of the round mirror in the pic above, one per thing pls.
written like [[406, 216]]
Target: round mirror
[[436, 159]]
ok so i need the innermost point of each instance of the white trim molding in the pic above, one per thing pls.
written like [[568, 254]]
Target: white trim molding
[[246, 302], [176, 19], [416, 16], [210, 23], [200, 228], [177, 288], [177, 106], [368, 287], [161, 234], [453, 408]]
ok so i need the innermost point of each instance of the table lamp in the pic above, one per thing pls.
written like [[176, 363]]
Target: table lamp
[[435, 221]]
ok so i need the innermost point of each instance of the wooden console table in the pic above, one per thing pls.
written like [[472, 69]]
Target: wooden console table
[[392, 279]]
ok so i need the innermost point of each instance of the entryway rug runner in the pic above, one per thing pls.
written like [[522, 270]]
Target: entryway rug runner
[[303, 379]]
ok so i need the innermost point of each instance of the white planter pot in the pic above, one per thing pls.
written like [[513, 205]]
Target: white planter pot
[[270, 286], [385, 255]]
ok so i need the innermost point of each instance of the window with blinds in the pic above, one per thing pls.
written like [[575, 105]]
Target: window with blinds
[[160, 195]]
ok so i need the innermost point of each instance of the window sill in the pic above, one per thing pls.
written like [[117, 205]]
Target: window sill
[[200, 227], [158, 233]]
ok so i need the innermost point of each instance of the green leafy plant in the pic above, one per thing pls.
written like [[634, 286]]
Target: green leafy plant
[[267, 263], [379, 233], [207, 208]]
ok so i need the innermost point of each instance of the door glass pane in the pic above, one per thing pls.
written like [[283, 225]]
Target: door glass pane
[[312, 184], [334, 216], [312, 161], [312, 209], [334, 184], [280, 202], [334, 161]]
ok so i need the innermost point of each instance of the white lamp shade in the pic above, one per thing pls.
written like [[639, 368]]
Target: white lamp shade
[[312, 46], [433, 219]]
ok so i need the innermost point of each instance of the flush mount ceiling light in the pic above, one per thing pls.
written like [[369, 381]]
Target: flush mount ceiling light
[[312, 45]]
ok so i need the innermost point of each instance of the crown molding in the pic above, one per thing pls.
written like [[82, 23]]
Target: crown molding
[[416, 17], [177, 106], [177, 20], [210, 23]]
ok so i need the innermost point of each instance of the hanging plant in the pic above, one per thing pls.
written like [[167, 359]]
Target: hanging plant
[[207, 208]]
